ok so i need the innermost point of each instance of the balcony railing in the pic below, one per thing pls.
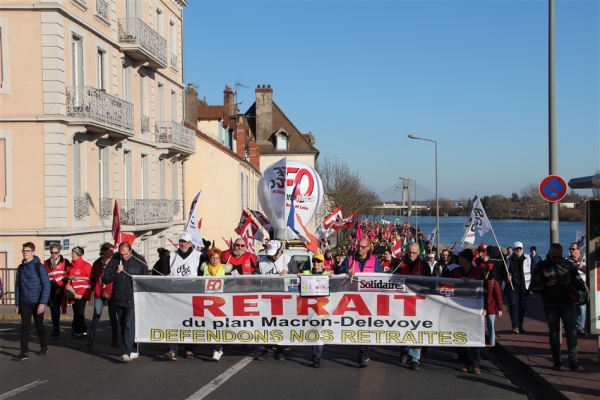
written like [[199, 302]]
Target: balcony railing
[[89, 102], [176, 206], [137, 32], [176, 134], [174, 61], [102, 9], [81, 207], [145, 212], [145, 124], [106, 207]]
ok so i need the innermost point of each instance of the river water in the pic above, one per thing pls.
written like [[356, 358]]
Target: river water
[[507, 231]]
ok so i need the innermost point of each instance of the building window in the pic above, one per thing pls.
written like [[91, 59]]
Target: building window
[[127, 175], [142, 97], [162, 180], [100, 56], [282, 141], [3, 171], [145, 177], [103, 172], [79, 168], [173, 38], [161, 102], [77, 60], [126, 72], [242, 190], [173, 106], [3, 57], [175, 178], [159, 17]]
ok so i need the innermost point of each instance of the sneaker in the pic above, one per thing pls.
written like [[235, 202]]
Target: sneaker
[[22, 356], [403, 359], [476, 370], [581, 332], [75, 334], [44, 351], [279, 356], [363, 362], [316, 363], [575, 367], [465, 368], [217, 355], [514, 330], [414, 366], [125, 358], [170, 356], [189, 355], [268, 355], [134, 355], [557, 366]]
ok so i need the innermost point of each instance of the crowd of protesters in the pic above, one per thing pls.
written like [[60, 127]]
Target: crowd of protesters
[[403, 250]]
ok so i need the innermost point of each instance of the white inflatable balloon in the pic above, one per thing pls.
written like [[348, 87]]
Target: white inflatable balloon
[[275, 192]]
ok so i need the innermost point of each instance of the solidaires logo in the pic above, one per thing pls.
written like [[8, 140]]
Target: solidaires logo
[[382, 285]]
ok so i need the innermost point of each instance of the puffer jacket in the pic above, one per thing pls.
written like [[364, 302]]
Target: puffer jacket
[[29, 288], [122, 294]]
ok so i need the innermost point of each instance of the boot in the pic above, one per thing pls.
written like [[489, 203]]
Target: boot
[[114, 340], [91, 339]]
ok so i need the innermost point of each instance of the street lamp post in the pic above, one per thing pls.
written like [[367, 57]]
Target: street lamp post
[[417, 209], [437, 199]]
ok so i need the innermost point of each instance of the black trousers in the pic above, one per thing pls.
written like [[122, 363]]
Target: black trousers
[[79, 325], [27, 311]]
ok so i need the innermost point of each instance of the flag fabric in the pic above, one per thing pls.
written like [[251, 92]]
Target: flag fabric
[[469, 236], [262, 219], [580, 238], [480, 219], [228, 242], [397, 249], [295, 223], [243, 218], [334, 220], [247, 233], [431, 237], [349, 220], [173, 243], [453, 246], [127, 237], [194, 223], [359, 233], [116, 225]]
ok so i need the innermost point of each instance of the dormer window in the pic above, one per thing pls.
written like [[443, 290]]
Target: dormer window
[[282, 141]]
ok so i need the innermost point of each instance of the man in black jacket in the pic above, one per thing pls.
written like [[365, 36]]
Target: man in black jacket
[[120, 271], [557, 279]]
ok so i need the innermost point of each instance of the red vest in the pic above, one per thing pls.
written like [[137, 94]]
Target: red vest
[[418, 270], [57, 274]]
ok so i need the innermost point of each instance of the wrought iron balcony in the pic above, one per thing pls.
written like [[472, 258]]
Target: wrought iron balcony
[[145, 124], [176, 136], [99, 107], [81, 207], [176, 206], [143, 43], [102, 9], [106, 207], [145, 211], [174, 61]]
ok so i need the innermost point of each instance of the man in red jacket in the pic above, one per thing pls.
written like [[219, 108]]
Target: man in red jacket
[[244, 263]]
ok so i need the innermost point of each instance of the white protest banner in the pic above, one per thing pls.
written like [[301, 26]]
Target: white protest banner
[[193, 225], [380, 309]]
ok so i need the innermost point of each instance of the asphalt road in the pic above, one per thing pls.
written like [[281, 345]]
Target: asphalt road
[[73, 371]]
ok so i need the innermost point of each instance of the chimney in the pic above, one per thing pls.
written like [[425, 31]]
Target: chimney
[[228, 103], [191, 105], [264, 114], [240, 136]]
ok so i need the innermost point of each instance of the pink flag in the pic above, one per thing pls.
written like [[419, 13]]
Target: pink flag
[[359, 233]]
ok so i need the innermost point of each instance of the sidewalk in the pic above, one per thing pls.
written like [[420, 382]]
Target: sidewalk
[[7, 314], [530, 352]]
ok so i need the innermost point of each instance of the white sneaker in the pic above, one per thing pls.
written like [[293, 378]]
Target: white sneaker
[[217, 355], [133, 356], [125, 358]]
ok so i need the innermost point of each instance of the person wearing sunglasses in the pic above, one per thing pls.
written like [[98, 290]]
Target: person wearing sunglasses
[[56, 266], [557, 279], [243, 262]]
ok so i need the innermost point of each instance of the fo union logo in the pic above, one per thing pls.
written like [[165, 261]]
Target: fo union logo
[[447, 289], [213, 286]]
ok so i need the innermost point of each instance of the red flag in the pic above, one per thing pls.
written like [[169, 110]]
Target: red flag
[[173, 243], [247, 233], [453, 246], [334, 219], [348, 221], [227, 242], [129, 238], [116, 225], [245, 216], [397, 249]]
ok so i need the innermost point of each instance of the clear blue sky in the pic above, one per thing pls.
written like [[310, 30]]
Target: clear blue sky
[[362, 75]]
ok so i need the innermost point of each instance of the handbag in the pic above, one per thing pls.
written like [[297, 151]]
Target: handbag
[[70, 293], [105, 293]]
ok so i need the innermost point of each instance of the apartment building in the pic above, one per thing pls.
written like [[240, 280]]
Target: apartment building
[[91, 111]]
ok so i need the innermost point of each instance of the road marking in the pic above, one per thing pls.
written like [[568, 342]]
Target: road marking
[[20, 390], [221, 379]]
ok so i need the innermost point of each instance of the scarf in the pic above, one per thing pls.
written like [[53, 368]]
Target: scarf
[[213, 270], [54, 263]]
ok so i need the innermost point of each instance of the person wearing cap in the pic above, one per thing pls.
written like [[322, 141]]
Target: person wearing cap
[[243, 262], [184, 262], [517, 288], [553, 278], [469, 356], [434, 266], [318, 267], [78, 276], [119, 271], [276, 262]]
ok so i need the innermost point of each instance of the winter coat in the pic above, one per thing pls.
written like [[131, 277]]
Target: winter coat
[[98, 269], [122, 295], [77, 270], [29, 287]]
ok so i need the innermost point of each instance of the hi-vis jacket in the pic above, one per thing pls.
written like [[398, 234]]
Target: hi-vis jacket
[[78, 270]]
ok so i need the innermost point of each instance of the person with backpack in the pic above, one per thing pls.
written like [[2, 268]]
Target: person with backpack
[[32, 291]]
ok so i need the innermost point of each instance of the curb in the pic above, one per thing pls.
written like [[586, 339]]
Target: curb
[[17, 318], [535, 373]]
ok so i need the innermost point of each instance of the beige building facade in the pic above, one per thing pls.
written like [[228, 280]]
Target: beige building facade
[[91, 111]]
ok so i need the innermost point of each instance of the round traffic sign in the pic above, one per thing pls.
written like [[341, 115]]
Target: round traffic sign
[[553, 188]]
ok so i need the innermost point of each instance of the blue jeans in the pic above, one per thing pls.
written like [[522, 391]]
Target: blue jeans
[[414, 353], [581, 314], [516, 304], [127, 319], [489, 321], [112, 314], [317, 351], [566, 313]]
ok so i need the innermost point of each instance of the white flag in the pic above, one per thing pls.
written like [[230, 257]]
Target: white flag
[[469, 236], [480, 219], [193, 225], [431, 237], [580, 238]]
